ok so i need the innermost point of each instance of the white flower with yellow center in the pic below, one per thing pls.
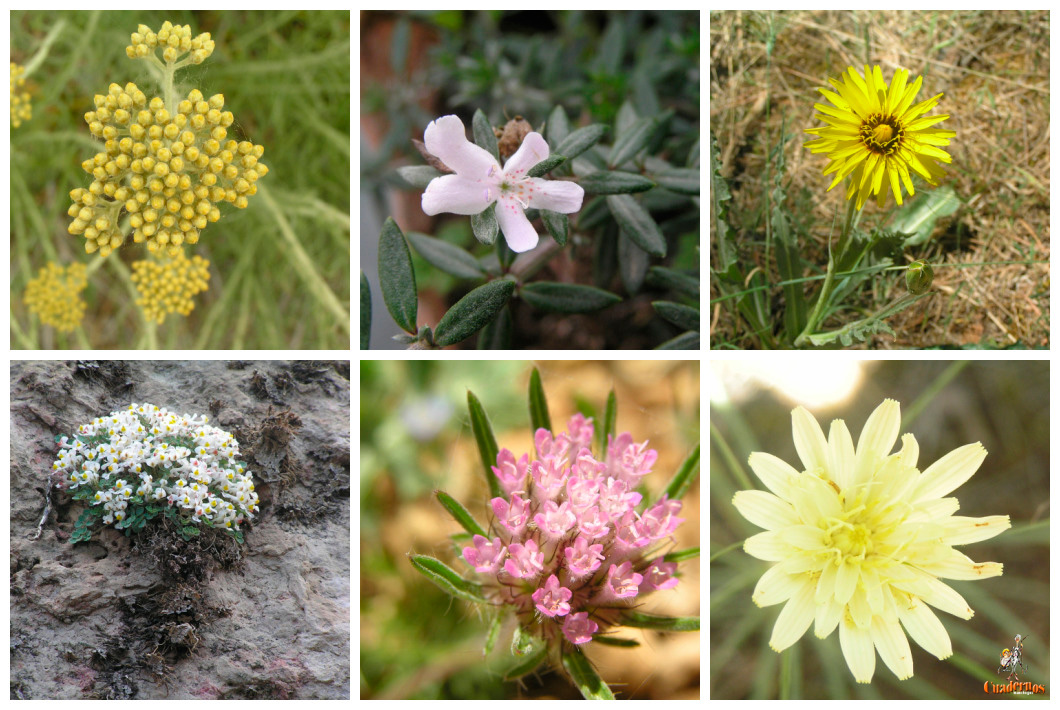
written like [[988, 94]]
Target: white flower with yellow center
[[861, 538]]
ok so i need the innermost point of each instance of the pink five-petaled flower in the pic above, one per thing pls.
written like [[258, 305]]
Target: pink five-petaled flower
[[513, 516], [511, 473], [661, 519], [579, 628], [525, 561], [479, 181], [582, 558], [552, 599], [621, 583], [659, 575], [556, 521], [485, 556], [549, 475], [592, 523]]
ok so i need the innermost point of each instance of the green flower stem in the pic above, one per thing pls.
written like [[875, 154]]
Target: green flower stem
[[829, 281]]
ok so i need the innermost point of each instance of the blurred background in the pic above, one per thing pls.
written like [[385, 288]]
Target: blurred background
[[416, 641], [1004, 405]]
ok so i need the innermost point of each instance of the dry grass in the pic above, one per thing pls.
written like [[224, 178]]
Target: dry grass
[[992, 273]]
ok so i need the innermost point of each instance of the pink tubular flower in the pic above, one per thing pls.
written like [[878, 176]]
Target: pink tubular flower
[[547, 445], [485, 556], [582, 493], [581, 432], [621, 583], [579, 628], [582, 558], [552, 599], [661, 519], [549, 475], [628, 461], [513, 516], [616, 498], [592, 523], [658, 576], [556, 521], [511, 473], [525, 561], [479, 181]]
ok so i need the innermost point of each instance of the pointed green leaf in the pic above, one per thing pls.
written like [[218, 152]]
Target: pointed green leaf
[[460, 513], [662, 277], [633, 140], [550, 163], [566, 298], [661, 623], [473, 312], [485, 226], [684, 341], [585, 676], [632, 264], [638, 224], [614, 182], [366, 312], [418, 176], [539, 418], [527, 664], [684, 317], [612, 641], [557, 225], [397, 281], [558, 126], [685, 476], [682, 555], [581, 140], [448, 580], [483, 133], [682, 180], [487, 444], [445, 256], [497, 334]]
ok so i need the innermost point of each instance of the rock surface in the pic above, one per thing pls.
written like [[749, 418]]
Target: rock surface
[[153, 616]]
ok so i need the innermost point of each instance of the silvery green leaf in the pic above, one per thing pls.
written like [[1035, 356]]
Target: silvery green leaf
[[418, 176], [397, 280], [448, 257], [566, 298], [473, 312], [613, 182], [482, 132], [581, 140], [637, 224], [485, 226]]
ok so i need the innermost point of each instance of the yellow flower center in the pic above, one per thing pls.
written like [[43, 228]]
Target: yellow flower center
[[882, 133]]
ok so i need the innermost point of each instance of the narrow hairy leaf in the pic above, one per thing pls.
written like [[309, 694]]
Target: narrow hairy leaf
[[366, 312], [473, 312], [661, 623], [557, 225], [612, 641], [447, 579], [418, 176], [550, 163], [610, 420], [614, 182], [484, 225], [581, 140], [638, 224], [482, 132], [682, 555], [632, 141], [685, 476], [527, 664], [445, 256], [397, 281], [632, 263], [566, 298], [684, 317], [682, 180], [558, 126], [459, 513], [487, 444], [497, 334], [684, 341], [585, 676], [663, 277], [539, 418]]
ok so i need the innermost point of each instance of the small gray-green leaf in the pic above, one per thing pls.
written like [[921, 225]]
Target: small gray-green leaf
[[483, 133], [683, 180], [366, 312], [637, 224], [662, 623], [558, 126], [684, 341], [685, 476], [447, 579], [485, 226], [448, 257], [550, 163], [460, 513], [566, 298], [585, 676], [614, 182], [418, 176], [539, 418], [487, 444], [472, 312], [581, 140], [557, 225], [397, 281], [684, 317], [633, 140]]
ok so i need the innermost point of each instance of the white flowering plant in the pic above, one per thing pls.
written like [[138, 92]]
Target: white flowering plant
[[136, 464]]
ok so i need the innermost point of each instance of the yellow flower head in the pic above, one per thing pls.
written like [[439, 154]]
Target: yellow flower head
[[170, 286], [55, 295], [875, 132], [20, 106], [860, 538]]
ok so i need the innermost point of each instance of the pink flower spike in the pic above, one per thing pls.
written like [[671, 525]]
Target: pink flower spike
[[581, 432], [556, 521], [524, 561], [511, 473], [513, 516], [661, 519], [582, 558], [579, 628], [552, 599], [485, 556], [658, 576]]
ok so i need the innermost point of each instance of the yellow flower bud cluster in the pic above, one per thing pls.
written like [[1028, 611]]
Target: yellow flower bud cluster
[[174, 41], [55, 295], [169, 169], [20, 106], [169, 286]]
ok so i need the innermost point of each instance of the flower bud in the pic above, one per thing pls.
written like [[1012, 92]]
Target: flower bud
[[918, 277]]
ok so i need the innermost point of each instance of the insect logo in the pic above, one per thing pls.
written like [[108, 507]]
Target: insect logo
[[1012, 658]]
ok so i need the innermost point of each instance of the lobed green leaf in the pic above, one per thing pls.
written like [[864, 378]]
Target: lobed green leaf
[[397, 280], [473, 312], [447, 579]]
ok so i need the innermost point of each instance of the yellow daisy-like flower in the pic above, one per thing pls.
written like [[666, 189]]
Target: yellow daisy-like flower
[[860, 539], [875, 133]]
